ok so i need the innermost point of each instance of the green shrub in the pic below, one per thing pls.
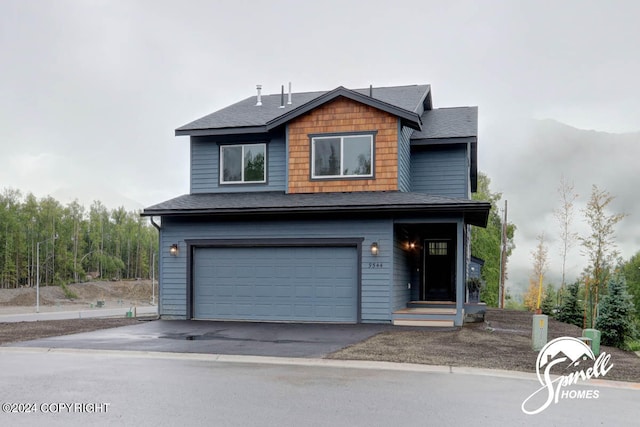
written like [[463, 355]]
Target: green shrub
[[615, 314], [570, 310], [68, 293]]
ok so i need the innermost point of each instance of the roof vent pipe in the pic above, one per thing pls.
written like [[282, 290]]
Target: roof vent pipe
[[282, 97], [289, 100], [259, 102], [370, 91]]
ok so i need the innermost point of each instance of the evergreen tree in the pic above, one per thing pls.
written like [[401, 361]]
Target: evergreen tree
[[631, 270], [485, 242], [570, 310], [548, 304], [615, 318]]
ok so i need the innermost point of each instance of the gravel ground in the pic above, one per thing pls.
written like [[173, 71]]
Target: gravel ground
[[502, 342]]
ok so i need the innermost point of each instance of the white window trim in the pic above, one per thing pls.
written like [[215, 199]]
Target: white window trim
[[222, 181], [342, 138]]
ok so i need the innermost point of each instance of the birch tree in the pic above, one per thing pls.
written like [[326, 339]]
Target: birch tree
[[540, 258], [565, 214], [599, 246]]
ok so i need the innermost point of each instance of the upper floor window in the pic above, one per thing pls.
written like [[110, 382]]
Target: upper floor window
[[347, 156], [241, 164]]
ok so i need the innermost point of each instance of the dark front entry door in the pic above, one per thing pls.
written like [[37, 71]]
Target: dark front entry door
[[439, 270]]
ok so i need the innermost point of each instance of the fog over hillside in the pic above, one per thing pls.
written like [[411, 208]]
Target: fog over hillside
[[526, 159]]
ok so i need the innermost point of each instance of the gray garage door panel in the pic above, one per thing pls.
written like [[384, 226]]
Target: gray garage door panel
[[276, 283]]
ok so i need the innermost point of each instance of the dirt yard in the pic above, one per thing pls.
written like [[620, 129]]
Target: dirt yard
[[52, 298], [26, 331], [112, 293], [502, 342]]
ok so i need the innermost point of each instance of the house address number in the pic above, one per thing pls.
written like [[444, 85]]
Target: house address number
[[375, 265]]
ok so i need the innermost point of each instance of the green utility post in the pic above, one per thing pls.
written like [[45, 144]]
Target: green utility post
[[594, 334], [539, 331]]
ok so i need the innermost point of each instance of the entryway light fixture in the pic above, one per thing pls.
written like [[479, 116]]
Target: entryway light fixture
[[374, 248], [173, 250]]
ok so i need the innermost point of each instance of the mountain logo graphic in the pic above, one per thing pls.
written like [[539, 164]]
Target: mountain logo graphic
[[567, 347], [578, 358]]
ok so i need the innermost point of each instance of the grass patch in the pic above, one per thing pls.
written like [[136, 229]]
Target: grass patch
[[68, 293], [633, 345]]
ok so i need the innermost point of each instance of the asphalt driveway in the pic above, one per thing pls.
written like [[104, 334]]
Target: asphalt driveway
[[243, 338]]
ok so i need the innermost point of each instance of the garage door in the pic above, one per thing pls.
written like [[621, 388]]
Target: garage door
[[316, 284]]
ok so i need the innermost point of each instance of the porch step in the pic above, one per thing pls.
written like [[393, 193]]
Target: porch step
[[425, 310], [425, 316], [424, 322], [432, 304]]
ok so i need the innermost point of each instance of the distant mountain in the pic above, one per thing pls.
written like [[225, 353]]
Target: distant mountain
[[525, 161]]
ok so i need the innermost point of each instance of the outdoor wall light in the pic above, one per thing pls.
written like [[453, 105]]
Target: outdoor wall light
[[374, 248], [173, 250], [410, 246]]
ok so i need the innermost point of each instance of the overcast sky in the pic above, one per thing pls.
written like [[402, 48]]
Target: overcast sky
[[91, 91]]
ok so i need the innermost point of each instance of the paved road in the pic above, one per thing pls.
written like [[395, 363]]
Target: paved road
[[161, 389], [79, 314]]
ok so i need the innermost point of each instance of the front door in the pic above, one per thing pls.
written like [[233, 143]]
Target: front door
[[439, 270]]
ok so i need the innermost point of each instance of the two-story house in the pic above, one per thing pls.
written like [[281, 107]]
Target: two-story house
[[340, 206]]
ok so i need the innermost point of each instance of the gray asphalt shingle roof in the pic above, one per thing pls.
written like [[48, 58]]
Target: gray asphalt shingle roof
[[246, 114], [458, 122], [280, 203]]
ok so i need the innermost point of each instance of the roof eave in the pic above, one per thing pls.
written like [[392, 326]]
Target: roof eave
[[221, 131], [476, 214], [447, 140]]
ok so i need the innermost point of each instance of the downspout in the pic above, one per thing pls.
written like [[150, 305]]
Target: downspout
[[156, 225], [159, 228]]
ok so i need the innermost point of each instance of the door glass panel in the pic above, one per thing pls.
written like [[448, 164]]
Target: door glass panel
[[437, 248]]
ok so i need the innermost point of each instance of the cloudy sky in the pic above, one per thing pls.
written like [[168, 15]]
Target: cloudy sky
[[91, 91]]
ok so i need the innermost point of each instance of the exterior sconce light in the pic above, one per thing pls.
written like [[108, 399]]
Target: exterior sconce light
[[374, 248], [412, 245], [173, 250]]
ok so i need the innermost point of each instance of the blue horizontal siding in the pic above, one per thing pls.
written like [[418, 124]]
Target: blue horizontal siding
[[404, 158], [376, 282], [441, 170], [205, 167], [401, 275]]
